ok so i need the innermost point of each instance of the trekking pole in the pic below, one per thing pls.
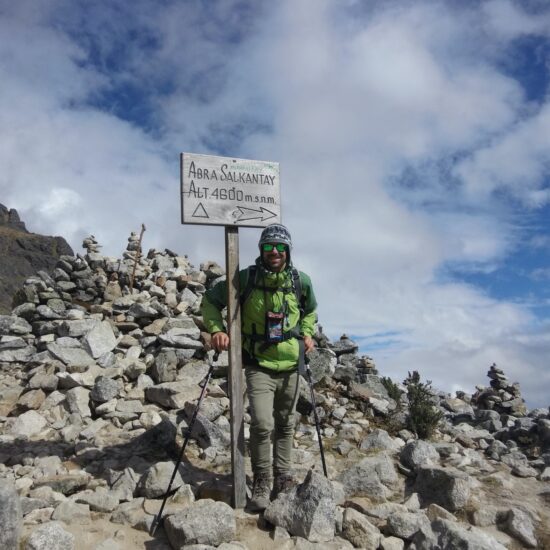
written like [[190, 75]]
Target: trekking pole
[[158, 517], [310, 381]]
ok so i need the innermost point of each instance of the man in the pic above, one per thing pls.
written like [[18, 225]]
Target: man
[[278, 322]]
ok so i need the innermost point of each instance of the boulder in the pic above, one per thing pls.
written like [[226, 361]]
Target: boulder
[[100, 340], [419, 453], [154, 482], [450, 534], [29, 424], [10, 516], [307, 510], [50, 536], [444, 486], [357, 528], [374, 476], [205, 522]]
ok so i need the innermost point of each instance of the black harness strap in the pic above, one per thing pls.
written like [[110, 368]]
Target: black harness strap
[[296, 288]]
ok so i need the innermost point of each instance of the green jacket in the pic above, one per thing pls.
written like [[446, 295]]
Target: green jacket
[[280, 356]]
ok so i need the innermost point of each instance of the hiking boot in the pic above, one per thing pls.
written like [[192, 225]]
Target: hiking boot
[[282, 484], [260, 492]]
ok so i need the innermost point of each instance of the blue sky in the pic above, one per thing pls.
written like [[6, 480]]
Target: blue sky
[[413, 140]]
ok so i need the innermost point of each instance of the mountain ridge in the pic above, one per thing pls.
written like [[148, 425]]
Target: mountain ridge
[[23, 253]]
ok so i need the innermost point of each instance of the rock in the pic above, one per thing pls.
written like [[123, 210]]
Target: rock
[[33, 399], [20, 355], [130, 513], [173, 339], [406, 524], [47, 382], [450, 534], [10, 516], [344, 373], [72, 357], [357, 528], [543, 429], [49, 537], [70, 512], [447, 487], [77, 328], [434, 511], [209, 434], [124, 484], [155, 480], [100, 340], [203, 522], [139, 311], [165, 366], [374, 476], [519, 525], [8, 399], [105, 389], [181, 326], [419, 453], [211, 407], [67, 484], [128, 422], [172, 395], [28, 424], [321, 362], [11, 324], [344, 345], [379, 440], [78, 401], [307, 510], [392, 543], [484, 516], [100, 500]]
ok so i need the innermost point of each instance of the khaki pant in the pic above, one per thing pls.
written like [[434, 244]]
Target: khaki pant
[[272, 397]]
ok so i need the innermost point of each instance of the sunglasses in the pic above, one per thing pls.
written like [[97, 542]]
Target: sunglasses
[[279, 247]]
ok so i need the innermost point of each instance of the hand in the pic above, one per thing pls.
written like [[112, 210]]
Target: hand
[[309, 343], [220, 341]]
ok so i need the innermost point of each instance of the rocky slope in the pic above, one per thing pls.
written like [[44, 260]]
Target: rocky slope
[[23, 254], [98, 383]]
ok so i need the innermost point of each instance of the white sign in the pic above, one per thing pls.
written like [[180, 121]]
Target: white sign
[[228, 191]]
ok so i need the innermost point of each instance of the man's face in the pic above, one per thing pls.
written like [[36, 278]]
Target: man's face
[[274, 256]]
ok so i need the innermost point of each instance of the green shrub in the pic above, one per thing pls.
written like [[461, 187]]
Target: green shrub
[[423, 416], [392, 388]]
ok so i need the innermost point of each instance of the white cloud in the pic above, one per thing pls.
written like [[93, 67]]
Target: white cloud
[[345, 104], [517, 161], [508, 21]]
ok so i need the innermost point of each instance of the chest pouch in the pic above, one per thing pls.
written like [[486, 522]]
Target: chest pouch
[[274, 327]]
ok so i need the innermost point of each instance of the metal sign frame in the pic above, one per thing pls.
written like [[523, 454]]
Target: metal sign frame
[[229, 191]]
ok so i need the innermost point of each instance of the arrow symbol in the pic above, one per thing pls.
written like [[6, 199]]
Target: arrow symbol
[[252, 214]]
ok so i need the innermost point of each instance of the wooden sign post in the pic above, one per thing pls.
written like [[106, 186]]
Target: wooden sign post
[[233, 193], [235, 365]]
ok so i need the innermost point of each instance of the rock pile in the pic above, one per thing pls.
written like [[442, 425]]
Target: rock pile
[[503, 397], [97, 384]]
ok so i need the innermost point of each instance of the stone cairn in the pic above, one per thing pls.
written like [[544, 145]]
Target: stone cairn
[[502, 396], [98, 383]]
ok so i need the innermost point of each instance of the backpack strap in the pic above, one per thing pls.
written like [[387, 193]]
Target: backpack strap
[[298, 291], [250, 283], [296, 282]]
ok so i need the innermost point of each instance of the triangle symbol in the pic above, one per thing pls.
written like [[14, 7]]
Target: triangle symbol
[[200, 212]]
